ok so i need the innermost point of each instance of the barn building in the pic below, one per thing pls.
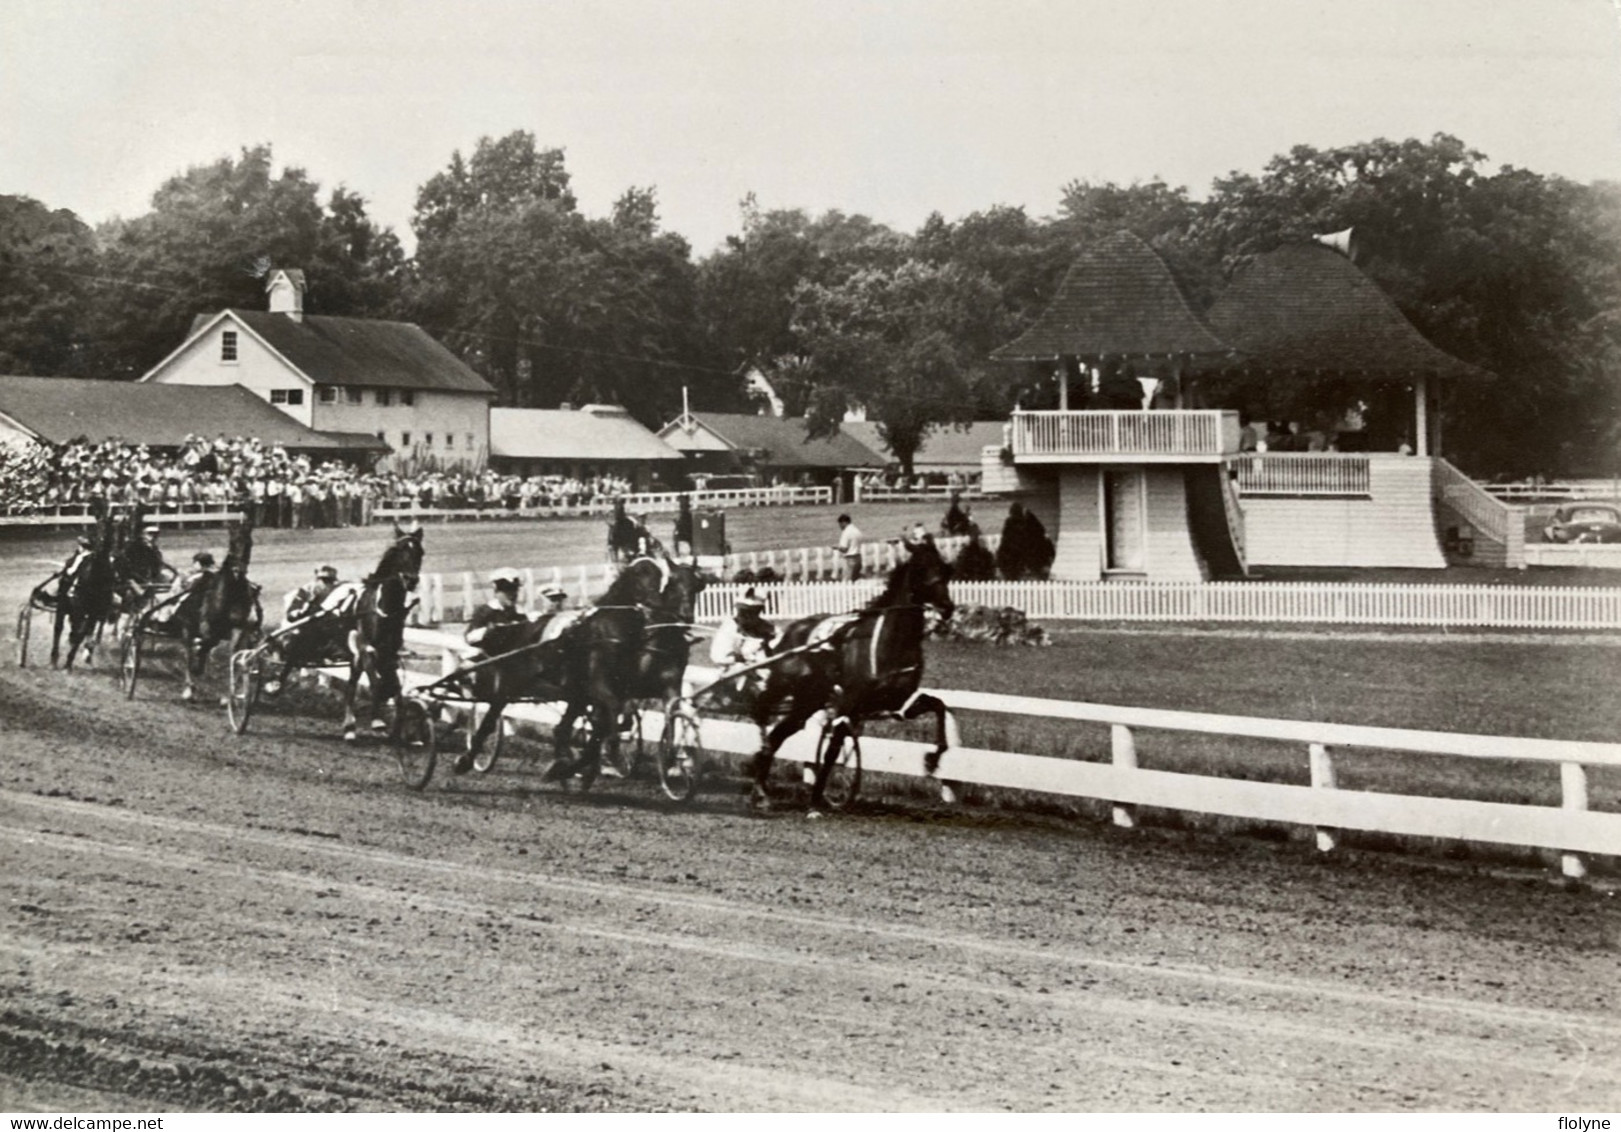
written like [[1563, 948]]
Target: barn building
[[590, 441], [771, 449], [357, 376]]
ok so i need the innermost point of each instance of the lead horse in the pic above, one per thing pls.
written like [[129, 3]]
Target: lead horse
[[856, 667], [378, 633], [87, 598]]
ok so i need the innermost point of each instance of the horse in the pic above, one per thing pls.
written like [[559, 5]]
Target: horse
[[856, 666], [627, 538], [87, 599], [379, 627], [633, 646], [223, 606]]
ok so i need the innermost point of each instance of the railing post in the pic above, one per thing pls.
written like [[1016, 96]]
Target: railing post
[[1573, 781], [528, 590], [468, 600], [1322, 778], [1123, 750]]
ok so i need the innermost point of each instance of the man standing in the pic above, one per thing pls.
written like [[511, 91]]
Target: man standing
[[849, 548]]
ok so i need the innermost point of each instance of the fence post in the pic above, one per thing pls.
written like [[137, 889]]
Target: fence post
[[1322, 778], [528, 590], [821, 563], [468, 600], [1123, 751], [585, 586], [1573, 781], [804, 565]]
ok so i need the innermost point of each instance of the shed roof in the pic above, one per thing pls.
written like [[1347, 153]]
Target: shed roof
[[781, 441], [1306, 307], [357, 351], [60, 409], [1118, 299], [594, 432], [944, 449]]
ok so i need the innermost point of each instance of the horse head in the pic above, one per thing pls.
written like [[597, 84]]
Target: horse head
[[922, 579], [402, 559], [240, 551]]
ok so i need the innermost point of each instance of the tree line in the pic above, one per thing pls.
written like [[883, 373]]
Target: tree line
[[1514, 271]]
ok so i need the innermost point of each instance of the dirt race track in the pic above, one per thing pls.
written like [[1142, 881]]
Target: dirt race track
[[195, 920]]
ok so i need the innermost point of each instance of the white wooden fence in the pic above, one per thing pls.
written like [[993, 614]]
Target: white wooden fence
[[1572, 828], [1329, 603], [667, 502], [78, 515], [1604, 556]]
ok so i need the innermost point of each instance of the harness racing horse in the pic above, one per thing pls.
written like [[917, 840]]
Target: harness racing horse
[[633, 646], [379, 627], [223, 606], [856, 666], [87, 598], [628, 539]]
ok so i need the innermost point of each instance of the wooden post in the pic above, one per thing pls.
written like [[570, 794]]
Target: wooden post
[[1123, 749], [1573, 780], [1322, 778], [804, 565], [469, 601], [1421, 416], [821, 564], [528, 590]]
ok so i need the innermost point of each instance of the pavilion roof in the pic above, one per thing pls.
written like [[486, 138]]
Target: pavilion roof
[[1118, 299], [1306, 307]]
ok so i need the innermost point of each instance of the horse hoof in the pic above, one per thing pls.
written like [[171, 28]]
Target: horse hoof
[[349, 735], [948, 794], [759, 801], [188, 695], [379, 726], [463, 763], [225, 701], [931, 762], [812, 815]]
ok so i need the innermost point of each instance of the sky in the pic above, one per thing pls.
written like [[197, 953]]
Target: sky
[[889, 108]]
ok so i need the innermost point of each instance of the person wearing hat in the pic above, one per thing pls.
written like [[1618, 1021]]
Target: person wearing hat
[[303, 602], [555, 596], [202, 568], [744, 640], [501, 609], [145, 560], [81, 551]]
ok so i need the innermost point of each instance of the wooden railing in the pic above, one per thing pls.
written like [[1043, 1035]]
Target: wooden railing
[[1149, 432], [1490, 516], [1572, 828], [79, 515], [644, 503], [1307, 474]]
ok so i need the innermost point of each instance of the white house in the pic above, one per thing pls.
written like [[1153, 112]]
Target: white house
[[342, 375]]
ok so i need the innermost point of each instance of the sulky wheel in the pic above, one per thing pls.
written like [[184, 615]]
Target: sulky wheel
[[25, 623], [129, 661], [491, 751], [838, 756], [414, 741], [681, 751], [245, 681]]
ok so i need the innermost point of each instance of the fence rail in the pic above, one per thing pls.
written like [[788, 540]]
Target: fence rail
[[79, 515], [1491, 516], [1315, 474], [1149, 432], [664, 502], [1572, 828], [1556, 492]]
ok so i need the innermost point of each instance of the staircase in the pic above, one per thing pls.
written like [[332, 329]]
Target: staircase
[[1491, 531]]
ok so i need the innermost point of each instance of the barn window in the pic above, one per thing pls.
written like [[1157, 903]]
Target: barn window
[[327, 394], [408, 397], [228, 346], [353, 396], [385, 397], [295, 396], [427, 438], [405, 439]]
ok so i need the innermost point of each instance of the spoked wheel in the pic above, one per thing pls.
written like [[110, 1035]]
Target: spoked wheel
[[246, 677], [491, 751], [129, 661], [414, 742], [839, 752], [25, 623], [681, 751]]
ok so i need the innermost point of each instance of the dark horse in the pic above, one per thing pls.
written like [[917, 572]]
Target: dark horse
[[224, 606], [631, 645], [87, 599], [867, 664], [627, 538], [379, 627]]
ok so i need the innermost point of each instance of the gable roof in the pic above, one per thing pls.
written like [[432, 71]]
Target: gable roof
[[594, 432], [354, 351], [60, 409], [782, 441], [1307, 307], [944, 448], [1118, 298]]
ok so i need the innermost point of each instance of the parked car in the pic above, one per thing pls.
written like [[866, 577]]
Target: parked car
[[1585, 522]]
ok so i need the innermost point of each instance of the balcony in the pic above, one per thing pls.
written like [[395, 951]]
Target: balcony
[[1149, 436]]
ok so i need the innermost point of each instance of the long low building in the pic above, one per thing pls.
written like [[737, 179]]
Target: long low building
[[581, 443], [57, 410]]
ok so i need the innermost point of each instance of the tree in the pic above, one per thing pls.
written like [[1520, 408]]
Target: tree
[[907, 345], [207, 242], [48, 264]]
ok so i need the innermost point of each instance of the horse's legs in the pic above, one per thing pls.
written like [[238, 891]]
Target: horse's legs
[[778, 735], [945, 726], [350, 725], [562, 765]]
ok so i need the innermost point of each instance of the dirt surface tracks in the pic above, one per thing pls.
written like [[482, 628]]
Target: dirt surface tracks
[[196, 920]]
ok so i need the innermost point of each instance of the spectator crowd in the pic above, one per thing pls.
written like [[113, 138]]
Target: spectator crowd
[[281, 488]]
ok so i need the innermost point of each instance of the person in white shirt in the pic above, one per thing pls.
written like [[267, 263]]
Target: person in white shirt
[[849, 548], [743, 640]]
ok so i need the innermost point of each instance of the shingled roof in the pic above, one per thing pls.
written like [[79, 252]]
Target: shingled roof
[[781, 439], [1306, 307], [359, 351], [595, 432], [945, 448], [59, 409], [1118, 299]]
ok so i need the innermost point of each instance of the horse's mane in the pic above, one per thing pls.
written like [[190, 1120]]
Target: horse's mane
[[625, 586], [895, 589], [393, 550], [241, 550]]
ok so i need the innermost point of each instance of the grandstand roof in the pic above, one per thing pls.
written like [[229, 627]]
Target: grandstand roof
[[593, 432], [775, 442], [60, 409], [1118, 299], [945, 448], [1306, 307], [354, 351]]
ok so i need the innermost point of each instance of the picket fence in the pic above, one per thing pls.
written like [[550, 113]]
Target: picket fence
[[1573, 829]]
